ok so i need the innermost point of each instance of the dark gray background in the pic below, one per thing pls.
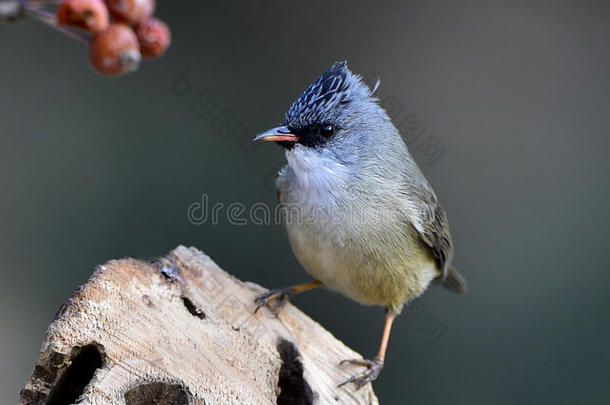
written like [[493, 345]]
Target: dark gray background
[[94, 168]]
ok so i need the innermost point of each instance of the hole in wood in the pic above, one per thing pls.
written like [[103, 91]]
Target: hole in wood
[[84, 361], [157, 393], [294, 390], [166, 267], [195, 311]]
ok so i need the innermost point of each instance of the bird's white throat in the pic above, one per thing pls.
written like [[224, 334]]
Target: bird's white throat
[[317, 174]]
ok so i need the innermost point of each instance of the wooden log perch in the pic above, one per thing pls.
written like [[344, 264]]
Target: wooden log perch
[[183, 331]]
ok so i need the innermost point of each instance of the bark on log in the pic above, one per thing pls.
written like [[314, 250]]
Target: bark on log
[[183, 331]]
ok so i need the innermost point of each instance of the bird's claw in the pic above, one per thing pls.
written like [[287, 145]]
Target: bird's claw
[[274, 300], [373, 368]]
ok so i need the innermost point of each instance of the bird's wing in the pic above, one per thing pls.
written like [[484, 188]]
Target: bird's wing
[[433, 227]]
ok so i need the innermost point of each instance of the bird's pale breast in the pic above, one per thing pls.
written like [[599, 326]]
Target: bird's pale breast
[[370, 255]]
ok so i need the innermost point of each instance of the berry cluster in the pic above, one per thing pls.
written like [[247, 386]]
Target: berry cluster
[[119, 32], [117, 46]]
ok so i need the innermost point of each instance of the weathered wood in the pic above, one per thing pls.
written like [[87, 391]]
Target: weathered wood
[[183, 331]]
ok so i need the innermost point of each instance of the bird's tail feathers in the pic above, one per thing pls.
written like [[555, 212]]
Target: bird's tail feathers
[[455, 282]]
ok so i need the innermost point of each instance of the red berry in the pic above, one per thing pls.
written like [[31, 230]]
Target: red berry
[[91, 15], [154, 37], [115, 51], [131, 11]]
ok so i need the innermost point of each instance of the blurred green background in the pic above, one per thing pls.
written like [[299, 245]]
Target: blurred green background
[[94, 168]]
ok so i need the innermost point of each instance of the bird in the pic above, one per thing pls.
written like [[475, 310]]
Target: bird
[[361, 218]]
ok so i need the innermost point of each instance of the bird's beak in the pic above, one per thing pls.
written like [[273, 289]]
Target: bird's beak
[[277, 134]]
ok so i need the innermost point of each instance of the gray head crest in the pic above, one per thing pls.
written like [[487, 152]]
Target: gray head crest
[[336, 86]]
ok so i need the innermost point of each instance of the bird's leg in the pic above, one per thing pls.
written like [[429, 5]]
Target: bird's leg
[[373, 366], [276, 299]]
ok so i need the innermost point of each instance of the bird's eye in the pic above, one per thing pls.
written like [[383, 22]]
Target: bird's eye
[[327, 131]]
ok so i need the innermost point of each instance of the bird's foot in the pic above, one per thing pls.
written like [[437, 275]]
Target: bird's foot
[[274, 300], [373, 368]]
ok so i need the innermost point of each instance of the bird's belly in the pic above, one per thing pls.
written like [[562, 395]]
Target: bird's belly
[[326, 266], [369, 275]]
